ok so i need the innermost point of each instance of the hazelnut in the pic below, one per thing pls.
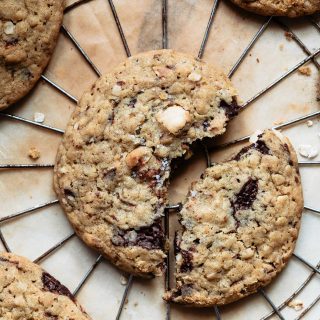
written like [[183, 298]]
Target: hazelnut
[[9, 28], [194, 76], [173, 118], [140, 155]]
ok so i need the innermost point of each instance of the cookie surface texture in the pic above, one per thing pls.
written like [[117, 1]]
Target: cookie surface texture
[[28, 33], [241, 222], [113, 165], [27, 292], [289, 8]]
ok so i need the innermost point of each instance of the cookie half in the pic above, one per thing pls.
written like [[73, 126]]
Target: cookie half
[[112, 168], [289, 8], [28, 292], [28, 33], [240, 224]]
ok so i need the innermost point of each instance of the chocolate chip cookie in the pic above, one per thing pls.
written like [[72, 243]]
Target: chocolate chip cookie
[[28, 33], [240, 224], [289, 8], [28, 292], [112, 168]]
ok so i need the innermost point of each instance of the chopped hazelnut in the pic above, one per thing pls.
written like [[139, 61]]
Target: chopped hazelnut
[[173, 118]]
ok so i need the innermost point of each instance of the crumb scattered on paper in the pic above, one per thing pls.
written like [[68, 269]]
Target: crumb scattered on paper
[[309, 123], [306, 71], [288, 35], [258, 60], [281, 46], [123, 280], [308, 151], [34, 153], [296, 304], [38, 117]]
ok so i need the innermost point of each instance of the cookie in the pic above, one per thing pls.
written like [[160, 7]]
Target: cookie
[[28, 33], [28, 292], [289, 8], [240, 224], [112, 168]]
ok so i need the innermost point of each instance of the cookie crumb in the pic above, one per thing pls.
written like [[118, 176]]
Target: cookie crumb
[[288, 35], [258, 61], [306, 71], [309, 123], [281, 46], [34, 153], [135, 304], [38, 117], [123, 280], [296, 304], [308, 151]]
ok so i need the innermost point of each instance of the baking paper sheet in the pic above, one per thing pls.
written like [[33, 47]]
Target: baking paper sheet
[[92, 24]]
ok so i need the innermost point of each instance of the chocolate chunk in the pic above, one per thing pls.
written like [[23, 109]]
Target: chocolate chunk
[[260, 145], [151, 237], [245, 198], [50, 316], [11, 42], [186, 265], [205, 125], [232, 109], [69, 193], [132, 102], [53, 285], [110, 174]]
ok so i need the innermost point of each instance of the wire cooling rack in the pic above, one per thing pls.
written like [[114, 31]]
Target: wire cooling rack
[[310, 57]]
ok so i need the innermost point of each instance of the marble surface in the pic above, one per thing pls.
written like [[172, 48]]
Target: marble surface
[[93, 26]]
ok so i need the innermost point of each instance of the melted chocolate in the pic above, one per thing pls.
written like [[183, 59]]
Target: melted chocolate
[[232, 109], [53, 285], [151, 237]]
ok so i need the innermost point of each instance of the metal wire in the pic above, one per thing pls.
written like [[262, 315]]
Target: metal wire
[[206, 34], [37, 124], [284, 76], [27, 211], [60, 89], [26, 166], [217, 312], [307, 309], [277, 127], [312, 209], [250, 45], [54, 248], [75, 5], [295, 293], [81, 50], [117, 21], [297, 40], [87, 275], [177, 206], [124, 297], [164, 24], [275, 309], [4, 242], [315, 269]]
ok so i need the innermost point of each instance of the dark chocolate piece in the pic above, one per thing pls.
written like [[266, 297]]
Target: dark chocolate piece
[[151, 237], [53, 285], [232, 109]]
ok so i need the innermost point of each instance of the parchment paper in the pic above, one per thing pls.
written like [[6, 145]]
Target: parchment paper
[[93, 26]]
